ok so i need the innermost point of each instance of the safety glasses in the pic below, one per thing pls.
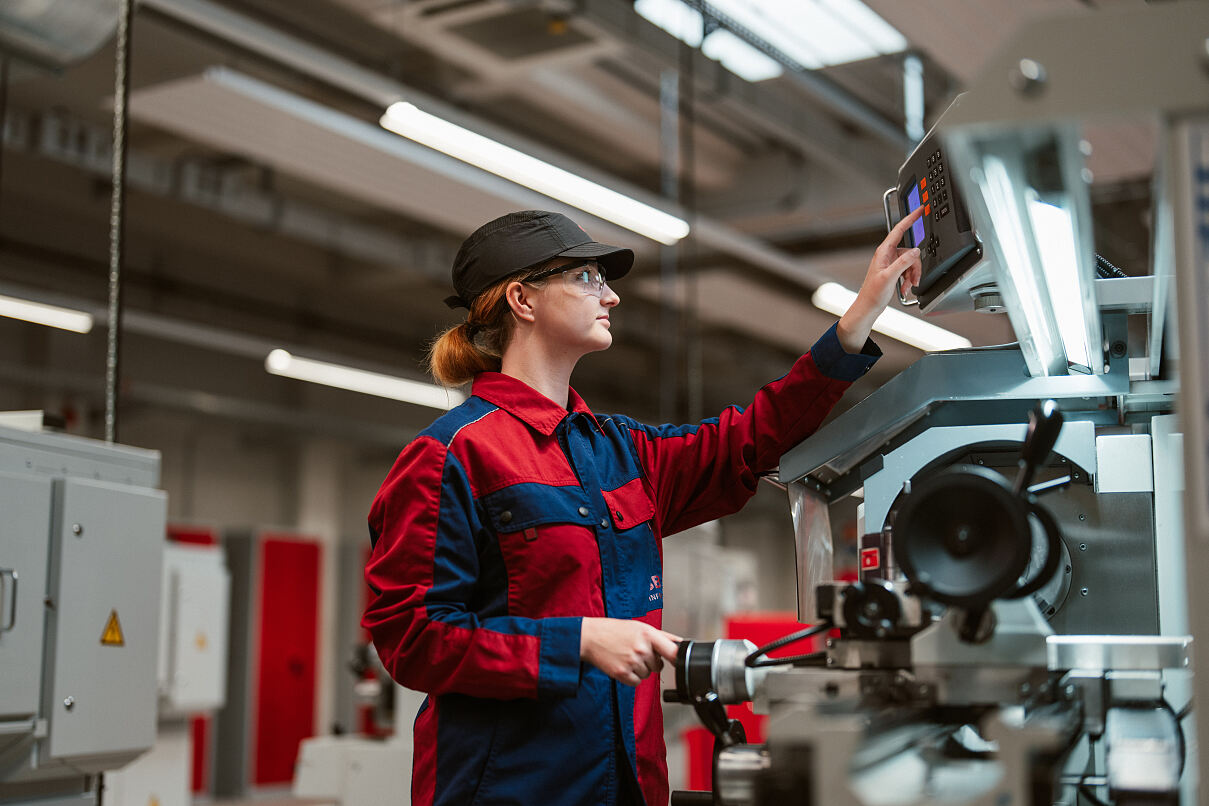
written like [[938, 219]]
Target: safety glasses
[[587, 278]]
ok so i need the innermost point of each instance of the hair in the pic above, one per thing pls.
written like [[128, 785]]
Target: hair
[[477, 345]]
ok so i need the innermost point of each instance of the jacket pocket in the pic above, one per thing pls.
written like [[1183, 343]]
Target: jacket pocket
[[640, 555], [521, 506], [629, 505], [547, 541]]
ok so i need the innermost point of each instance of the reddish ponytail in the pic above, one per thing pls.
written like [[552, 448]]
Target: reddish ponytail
[[477, 345]]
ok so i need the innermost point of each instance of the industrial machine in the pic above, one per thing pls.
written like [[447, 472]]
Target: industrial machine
[[1033, 515], [947, 683], [81, 552]]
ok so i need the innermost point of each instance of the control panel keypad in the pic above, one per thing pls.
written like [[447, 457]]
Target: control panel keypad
[[938, 208], [944, 238]]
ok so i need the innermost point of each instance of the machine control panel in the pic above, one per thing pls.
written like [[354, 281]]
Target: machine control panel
[[943, 233]]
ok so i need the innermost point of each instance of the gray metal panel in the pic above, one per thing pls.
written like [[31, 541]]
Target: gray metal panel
[[65, 455], [1111, 542], [112, 564], [1128, 294], [1118, 652], [233, 722], [350, 555], [1188, 152], [24, 541], [996, 374]]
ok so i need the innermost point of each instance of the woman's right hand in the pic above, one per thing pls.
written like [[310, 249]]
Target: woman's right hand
[[627, 651]]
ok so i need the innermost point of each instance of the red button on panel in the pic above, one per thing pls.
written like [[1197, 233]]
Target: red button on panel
[[923, 183], [924, 197], [927, 209]]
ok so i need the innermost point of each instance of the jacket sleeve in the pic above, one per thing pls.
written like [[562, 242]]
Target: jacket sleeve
[[708, 470], [423, 574]]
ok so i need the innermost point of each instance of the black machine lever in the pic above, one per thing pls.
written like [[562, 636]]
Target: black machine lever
[[1049, 486], [1044, 425]]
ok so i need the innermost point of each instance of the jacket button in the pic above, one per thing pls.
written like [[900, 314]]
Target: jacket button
[[620, 517], [506, 516], [583, 511], [604, 523]]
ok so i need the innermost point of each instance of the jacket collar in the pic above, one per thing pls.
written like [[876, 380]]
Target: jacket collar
[[526, 403]]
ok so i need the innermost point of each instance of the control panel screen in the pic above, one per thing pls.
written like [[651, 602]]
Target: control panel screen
[[917, 229]]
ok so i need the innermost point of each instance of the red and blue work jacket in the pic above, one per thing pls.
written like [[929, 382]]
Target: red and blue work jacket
[[509, 520]]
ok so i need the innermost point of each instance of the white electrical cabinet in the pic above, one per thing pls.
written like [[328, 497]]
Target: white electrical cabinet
[[193, 635], [196, 592]]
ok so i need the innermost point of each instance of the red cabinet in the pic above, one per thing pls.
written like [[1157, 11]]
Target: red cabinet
[[271, 691]]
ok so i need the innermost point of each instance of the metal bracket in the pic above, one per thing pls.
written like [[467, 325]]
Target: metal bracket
[[8, 601]]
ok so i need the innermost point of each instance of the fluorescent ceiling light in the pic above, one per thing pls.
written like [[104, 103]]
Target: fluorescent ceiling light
[[680, 20], [281, 362], [813, 34], [686, 24], [739, 57], [413, 123], [835, 299], [49, 315]]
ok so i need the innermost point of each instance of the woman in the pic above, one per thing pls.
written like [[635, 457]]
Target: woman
[[516, 569]]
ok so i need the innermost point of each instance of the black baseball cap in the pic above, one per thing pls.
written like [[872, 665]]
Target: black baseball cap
[[524, 240]]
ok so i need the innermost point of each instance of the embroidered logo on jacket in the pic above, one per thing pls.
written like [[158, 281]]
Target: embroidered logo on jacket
[[655, 592]]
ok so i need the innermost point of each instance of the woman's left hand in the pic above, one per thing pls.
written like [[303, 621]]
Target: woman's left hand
[[890, 262]]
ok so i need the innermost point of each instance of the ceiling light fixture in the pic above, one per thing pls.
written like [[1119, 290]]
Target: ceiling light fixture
[[816, 34], [836, 299], [410, 121], [49, 315], [287, 365]]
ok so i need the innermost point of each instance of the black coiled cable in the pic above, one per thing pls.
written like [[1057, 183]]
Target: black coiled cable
[[753, 660]]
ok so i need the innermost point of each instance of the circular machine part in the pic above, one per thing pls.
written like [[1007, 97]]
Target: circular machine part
[[987, 299], [1052, 594], [870, 610], [694, 676], [717, 666], [962, 537], [737, 772], [731, 677]]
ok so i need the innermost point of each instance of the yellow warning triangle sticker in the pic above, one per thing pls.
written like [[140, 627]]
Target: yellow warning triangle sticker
[[113, 631]]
